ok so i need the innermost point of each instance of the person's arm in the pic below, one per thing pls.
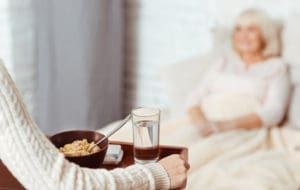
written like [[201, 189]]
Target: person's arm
[[37, 164], [277, 98], [196, 115], [249, 121]]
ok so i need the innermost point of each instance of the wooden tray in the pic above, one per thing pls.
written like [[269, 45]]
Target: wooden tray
[[9, 182]]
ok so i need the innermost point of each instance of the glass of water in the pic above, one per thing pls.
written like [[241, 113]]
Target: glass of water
[[145, 122]]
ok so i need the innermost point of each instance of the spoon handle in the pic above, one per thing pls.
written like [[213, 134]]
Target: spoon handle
[[124, 121]]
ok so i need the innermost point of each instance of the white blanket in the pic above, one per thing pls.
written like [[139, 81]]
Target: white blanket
[[259, 159]]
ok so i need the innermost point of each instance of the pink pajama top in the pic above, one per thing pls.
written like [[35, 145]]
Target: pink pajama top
[[230, 90]]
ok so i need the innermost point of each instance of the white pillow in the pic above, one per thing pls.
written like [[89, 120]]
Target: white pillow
[[181, 78], [291, 46], [291, 53]]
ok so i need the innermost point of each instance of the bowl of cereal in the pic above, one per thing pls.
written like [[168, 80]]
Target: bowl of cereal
[[77, 147]]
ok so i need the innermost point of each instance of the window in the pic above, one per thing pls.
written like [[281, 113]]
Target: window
[[17, 45]]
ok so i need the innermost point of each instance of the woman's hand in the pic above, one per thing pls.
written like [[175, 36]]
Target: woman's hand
[[209, 128], [196, 115], [216, 127], [206, 131], [177, 169]]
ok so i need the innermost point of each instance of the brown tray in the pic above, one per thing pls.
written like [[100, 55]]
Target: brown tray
[[9, 182]]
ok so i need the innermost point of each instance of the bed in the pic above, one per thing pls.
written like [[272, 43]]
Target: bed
[[258, 159]]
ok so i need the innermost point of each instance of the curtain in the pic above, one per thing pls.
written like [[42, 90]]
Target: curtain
[[17, 46], [79, 63]]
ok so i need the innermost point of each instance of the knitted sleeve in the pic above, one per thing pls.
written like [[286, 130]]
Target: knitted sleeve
[[37, 164]]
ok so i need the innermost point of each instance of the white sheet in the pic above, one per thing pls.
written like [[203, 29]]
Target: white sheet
[[259, 159]]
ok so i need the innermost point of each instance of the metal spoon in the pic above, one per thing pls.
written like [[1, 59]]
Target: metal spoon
[[124, 121]]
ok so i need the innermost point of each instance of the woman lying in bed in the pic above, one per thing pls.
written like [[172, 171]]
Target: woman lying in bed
[[249, 89]]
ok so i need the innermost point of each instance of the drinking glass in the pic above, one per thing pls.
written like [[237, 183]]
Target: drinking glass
[[145, 122]]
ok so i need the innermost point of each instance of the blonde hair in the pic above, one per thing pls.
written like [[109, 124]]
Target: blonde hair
[[270, 30]]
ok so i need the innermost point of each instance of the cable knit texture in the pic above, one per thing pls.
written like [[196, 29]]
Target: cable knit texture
[[37, 164]]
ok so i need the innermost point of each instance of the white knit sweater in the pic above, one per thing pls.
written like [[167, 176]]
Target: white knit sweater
[[37, 164]]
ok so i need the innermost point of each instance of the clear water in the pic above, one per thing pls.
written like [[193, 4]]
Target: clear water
[[146, 141]]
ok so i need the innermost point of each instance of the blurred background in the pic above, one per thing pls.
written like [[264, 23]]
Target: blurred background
[[83, 64]]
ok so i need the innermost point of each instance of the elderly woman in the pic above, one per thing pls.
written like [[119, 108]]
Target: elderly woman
[[249, 89], [37, 164]]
